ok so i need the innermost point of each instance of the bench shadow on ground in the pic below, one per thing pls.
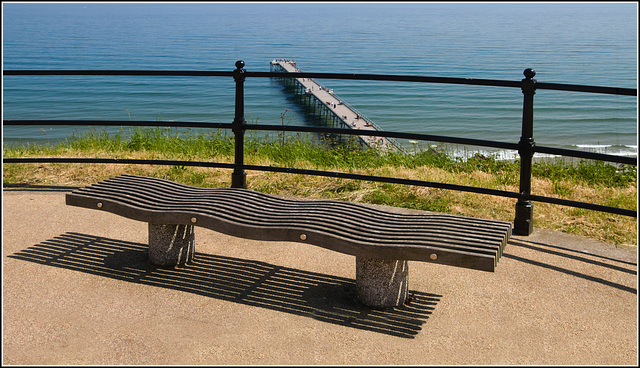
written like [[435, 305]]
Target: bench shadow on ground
[[323, 297]]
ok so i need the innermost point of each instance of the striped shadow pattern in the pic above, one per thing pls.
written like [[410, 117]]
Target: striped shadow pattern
[[325, 298]]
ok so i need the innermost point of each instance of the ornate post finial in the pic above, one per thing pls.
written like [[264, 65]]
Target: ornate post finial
[[528, 83], [529, 73], [238, 74]]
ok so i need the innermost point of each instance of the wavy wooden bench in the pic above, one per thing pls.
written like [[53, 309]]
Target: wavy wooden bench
[[382, 241]]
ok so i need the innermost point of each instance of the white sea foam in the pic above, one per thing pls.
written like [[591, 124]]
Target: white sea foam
[[596, 146], [466, 153], [611, 149]]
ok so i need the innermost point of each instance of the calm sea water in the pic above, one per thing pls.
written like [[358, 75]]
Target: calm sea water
[[589, 43]]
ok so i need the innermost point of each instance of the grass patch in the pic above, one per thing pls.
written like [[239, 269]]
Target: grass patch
[[586, 181]]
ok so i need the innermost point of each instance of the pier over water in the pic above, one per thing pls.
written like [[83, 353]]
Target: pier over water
[[329, 105]]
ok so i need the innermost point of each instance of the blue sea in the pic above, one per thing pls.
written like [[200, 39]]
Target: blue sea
[[574, 43]]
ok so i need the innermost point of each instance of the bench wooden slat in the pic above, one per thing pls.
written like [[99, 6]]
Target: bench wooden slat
[[383, 225], [239, 213], [241, 216], [375, 222], [342, 226], [161, 185], [282, 202]]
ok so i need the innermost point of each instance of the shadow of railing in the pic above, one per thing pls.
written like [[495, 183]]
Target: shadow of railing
[[323, 297], [38, 187], [619, 265], [571, 254]]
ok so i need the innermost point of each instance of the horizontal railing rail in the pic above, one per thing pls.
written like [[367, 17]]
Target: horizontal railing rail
[[370, 77], [332, 174], [159, 123], [136, 73], [526, 148], [308, 129]]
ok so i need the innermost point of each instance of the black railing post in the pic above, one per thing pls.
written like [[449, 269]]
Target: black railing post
[[523, 223], [239, 177]]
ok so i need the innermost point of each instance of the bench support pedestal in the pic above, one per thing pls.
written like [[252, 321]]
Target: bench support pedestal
[[171, 245], [382, 283]]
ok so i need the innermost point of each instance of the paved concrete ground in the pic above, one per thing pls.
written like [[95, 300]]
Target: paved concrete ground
[[77, 290]]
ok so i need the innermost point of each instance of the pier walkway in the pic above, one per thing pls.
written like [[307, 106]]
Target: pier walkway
[[343, 112]]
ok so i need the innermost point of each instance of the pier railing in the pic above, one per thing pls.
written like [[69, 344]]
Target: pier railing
[[526, 147]]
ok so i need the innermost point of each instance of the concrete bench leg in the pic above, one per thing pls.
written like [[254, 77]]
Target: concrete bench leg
[[382, 283], [171, 245]]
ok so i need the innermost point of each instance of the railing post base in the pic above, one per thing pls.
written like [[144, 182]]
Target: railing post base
[[239, 179], [523, 223]]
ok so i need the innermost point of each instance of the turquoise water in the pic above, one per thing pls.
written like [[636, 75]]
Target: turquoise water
[[589, 43]]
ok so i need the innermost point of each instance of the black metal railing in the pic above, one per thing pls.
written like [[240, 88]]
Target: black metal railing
[[526, 147]]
